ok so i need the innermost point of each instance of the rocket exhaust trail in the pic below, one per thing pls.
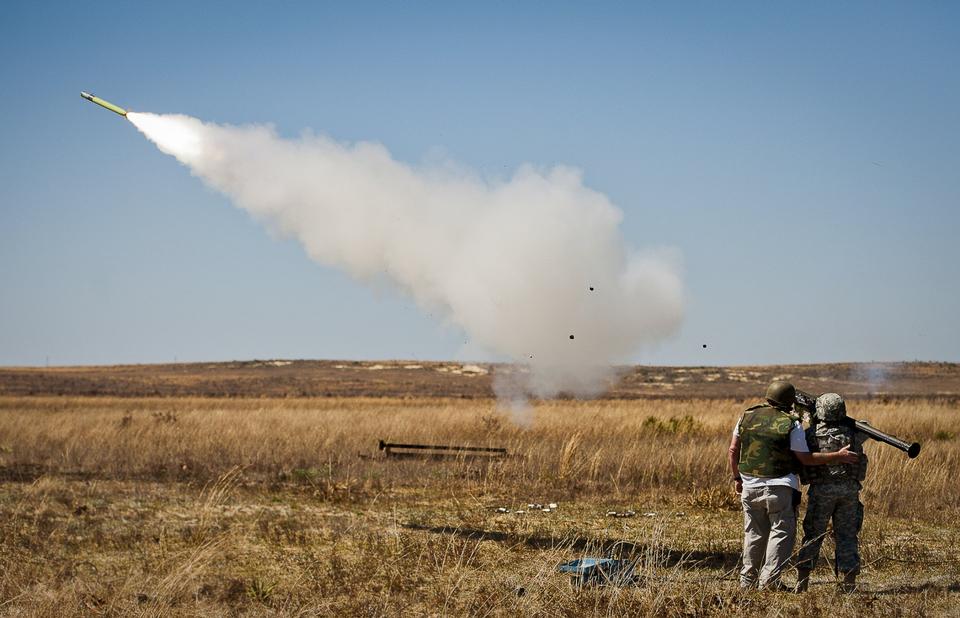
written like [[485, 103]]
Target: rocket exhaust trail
[[533, 267]]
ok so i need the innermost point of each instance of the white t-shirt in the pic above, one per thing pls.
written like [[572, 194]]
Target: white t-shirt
[[798, 443]]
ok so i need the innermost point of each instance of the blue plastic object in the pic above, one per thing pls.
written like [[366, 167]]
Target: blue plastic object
[[599, 572]]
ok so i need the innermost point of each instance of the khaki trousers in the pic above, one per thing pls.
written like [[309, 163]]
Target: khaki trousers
[[769, 532]]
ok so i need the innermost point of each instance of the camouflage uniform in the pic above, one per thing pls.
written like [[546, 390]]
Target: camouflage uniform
[[834, 489], [769, 497], [839, 501]]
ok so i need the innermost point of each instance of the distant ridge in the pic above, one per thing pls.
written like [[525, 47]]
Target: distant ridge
[[313, 378]]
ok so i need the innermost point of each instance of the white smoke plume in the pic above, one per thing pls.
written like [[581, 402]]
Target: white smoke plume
[[533, 267]]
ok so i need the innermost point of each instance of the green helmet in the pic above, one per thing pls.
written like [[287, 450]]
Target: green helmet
[[781, 394], [830, 408]]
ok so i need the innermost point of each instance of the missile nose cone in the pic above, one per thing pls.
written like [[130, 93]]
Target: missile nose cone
[[86, 95]]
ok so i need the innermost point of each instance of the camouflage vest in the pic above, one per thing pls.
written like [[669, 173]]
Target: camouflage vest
[[830, 438], [765, 442]]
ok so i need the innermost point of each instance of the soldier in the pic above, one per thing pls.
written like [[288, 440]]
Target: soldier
[[834, 493], [767, 442]]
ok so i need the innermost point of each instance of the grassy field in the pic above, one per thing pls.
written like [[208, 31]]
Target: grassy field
[[243, 506]]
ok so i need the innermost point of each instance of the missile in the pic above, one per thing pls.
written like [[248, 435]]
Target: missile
[[107, 104]]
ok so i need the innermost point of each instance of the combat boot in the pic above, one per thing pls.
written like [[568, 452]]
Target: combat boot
[[849, 583], [803, 580]]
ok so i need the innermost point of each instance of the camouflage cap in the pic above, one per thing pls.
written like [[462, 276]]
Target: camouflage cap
[[830, 408]]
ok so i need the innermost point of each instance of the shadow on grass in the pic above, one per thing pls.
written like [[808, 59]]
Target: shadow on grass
[[606, 547], [28, 473], [913, 588], [22, 473]]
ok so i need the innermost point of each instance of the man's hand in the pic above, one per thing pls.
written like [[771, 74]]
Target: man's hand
[[845, 456]]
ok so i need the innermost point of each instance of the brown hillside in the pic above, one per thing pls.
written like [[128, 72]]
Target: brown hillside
[[445, 379]]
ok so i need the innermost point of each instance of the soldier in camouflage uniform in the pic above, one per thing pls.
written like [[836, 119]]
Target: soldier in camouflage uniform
[[834, 493], [767, 442]]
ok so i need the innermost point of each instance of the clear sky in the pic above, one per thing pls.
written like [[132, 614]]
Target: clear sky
[[804, 158]]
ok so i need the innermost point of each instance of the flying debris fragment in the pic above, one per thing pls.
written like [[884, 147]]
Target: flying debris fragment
[[102, 103]]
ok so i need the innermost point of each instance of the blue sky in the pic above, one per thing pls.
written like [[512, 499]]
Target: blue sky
[[803, 159]]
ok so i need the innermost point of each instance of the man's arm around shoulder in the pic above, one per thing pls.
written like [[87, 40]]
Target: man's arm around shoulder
[[843, 456]]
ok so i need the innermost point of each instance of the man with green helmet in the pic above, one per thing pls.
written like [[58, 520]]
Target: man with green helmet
[[834, 493], [765, 454]]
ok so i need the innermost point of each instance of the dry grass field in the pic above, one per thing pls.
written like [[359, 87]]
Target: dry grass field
[[284, 506]]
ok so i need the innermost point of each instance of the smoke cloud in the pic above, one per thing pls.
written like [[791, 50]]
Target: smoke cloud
[[533, 267]]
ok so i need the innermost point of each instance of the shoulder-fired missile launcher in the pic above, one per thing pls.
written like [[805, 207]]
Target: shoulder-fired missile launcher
[[808, 403]]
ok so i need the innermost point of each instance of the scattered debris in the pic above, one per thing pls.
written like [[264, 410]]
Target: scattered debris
[[546, 508], [533, 507], [647, 514]]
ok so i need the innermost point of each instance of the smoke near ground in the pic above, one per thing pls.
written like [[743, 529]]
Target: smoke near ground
[[533, 267]]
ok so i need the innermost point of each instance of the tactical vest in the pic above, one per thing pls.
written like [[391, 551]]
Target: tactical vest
[[765, 442], [830, 438]]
